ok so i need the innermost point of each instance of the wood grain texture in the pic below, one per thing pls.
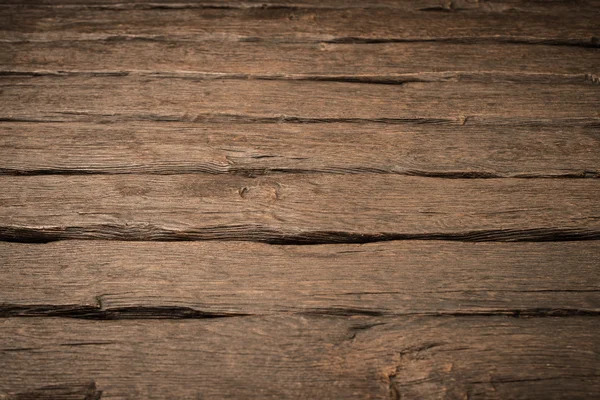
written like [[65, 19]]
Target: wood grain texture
[[315, 127], [559, 27], [114, 280], [70, 391], [569, 6], [368, 63], [118, 98], [296, 208], [308, 357], [468, 151]]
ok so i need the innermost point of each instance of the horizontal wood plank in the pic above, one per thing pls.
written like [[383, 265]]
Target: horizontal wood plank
[[296, 208], [374, 62], [113, 280], [118, 98], [561, 27], [468, 151], [306, 357], [408, 5]]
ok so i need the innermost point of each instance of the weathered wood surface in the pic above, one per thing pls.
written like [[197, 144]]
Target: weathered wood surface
[[307, 357], [210, 125], [118, 98], [369, 63], [443, 150], [70, 391], [113, 280], [293, 208], [564, 6], [554, 26]]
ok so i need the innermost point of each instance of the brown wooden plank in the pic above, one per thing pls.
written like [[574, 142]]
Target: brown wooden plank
[[427, 150], [374, 62], [307, 357], [409, 5], [299, 24], [117, 98], [177, 280], [296, 208]]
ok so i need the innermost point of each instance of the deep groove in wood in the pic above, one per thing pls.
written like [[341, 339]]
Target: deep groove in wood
[[98, 313], [66, 117], [253, 172], [171, 312], [147, 232], [235, 118], [592, 42], [398, 79]]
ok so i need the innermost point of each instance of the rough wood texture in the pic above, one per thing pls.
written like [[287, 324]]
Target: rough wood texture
[[467, 151], [316, 126], [308, 357], [69, 391], [553, 26], [369, 63], [557, 6], [113, 280], [118, 98], [296, 208]]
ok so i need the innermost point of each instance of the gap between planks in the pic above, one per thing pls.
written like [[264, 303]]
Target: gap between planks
[[395, 79]]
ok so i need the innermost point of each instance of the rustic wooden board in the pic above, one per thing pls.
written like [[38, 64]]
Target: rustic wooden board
[[369, 63], [296, 122], [568, 6], [112, 280], [305, 357], [468, 151], [555, 26], [117, 98], [296, 207]]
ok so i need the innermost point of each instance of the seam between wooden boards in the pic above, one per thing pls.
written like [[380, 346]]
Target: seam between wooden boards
[[147, 232], [390, 79], [593, 42], [87, 312]]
